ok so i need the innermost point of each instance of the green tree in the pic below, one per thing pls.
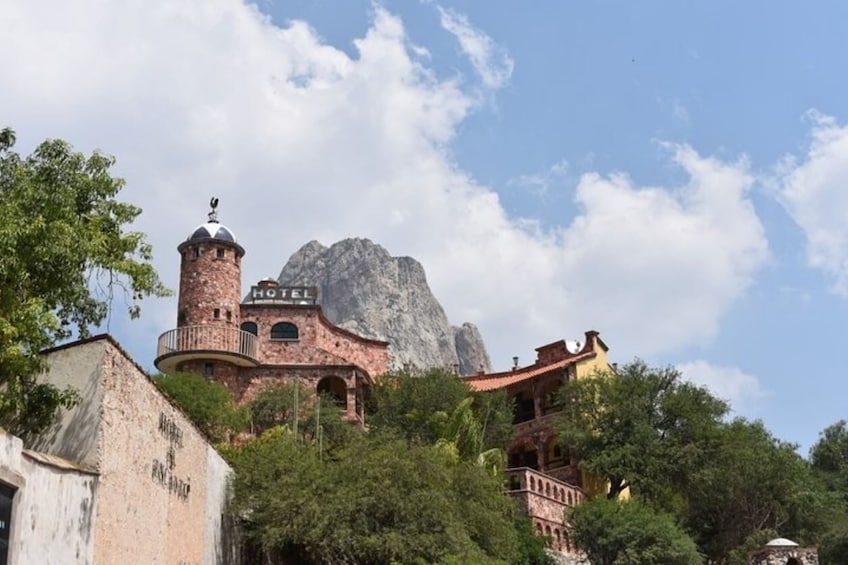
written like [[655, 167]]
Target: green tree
[[752, 481], [64, 253], [463, 437], [629, 532], [279, 404], [377, 500], [640, 428], [495, 412], [314, 420], [207, 403], [531, 548], [829, 459], [416, 404], [829, 456]]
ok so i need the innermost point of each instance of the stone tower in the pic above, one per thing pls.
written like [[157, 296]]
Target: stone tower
[[208, 339], [210, 276]]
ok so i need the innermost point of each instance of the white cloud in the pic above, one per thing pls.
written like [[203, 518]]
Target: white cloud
[[661, 265], [814, 191], [301, 141], [492, 63], [743, 391]]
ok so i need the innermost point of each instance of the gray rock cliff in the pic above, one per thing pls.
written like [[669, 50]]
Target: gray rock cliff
[[367, 291]]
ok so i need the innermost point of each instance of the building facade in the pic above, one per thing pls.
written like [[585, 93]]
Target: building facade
[[543, 475], [279, 334], [122, 477], [275, 335]]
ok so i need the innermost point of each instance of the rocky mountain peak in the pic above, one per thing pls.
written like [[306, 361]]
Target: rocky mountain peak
[[364, 289]]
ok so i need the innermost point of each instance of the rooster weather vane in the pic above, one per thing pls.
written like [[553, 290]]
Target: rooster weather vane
[[213, 215]]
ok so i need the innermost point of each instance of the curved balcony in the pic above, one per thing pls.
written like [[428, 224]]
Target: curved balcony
[[211, 342]]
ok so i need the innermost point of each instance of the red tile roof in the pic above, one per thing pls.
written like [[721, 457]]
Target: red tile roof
[[494, 381]]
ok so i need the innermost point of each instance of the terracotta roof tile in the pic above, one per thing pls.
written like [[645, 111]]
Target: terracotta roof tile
[[494, 381]]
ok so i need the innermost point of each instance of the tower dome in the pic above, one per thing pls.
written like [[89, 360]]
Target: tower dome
[[212, 230]]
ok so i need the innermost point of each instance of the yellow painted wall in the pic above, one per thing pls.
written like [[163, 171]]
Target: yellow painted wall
[[599, 364]]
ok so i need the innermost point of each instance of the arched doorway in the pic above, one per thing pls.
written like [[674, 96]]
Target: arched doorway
[[335, 388]]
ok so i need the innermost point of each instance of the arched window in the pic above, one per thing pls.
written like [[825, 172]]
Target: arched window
[[532, 483], [284, 330], [570, 500], [250, 327]]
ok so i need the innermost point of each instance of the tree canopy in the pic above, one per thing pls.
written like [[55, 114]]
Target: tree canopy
[[726, 485], [64, 255], [207, 403], [629, 532], [398, 494], [641, 428]]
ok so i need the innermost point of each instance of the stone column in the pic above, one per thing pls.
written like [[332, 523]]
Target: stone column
[[351, 402], [541, 456], [537, 403]]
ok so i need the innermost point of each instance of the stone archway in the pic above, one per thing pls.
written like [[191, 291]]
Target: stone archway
[[335, 388]]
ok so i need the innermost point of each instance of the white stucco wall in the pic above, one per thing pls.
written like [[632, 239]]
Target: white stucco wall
[[76, 434], [217, 541], [52, 511]]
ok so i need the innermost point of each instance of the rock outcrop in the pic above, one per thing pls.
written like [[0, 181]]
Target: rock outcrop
[[367, 291]]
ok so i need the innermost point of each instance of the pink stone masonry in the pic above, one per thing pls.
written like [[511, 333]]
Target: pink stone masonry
[[315, 335], [208, 282]]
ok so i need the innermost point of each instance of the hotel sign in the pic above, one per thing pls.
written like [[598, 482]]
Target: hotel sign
[[283, 294]]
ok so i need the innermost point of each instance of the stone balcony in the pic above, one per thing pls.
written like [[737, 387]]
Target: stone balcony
[[536, 423], [545, 499], [209, 342]]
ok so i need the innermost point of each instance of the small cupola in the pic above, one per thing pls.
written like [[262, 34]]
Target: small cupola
[[212, 232], [212, 229]]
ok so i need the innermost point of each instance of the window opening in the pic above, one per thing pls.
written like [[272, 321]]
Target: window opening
[[7, 495], [284, 330], [219, 253]]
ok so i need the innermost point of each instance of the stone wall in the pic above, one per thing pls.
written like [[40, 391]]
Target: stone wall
[[315, 336], [52, 510], [162, 487], [153, 473], [545, 501], [778, 555], [208, 282]]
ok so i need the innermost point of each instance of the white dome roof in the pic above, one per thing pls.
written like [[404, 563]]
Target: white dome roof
[[781, 542], [212, 230]]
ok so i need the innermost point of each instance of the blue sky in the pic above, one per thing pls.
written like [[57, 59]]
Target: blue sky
[[670, 174]]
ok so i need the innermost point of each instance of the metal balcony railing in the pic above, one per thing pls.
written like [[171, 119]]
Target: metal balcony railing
[[207, 338]]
